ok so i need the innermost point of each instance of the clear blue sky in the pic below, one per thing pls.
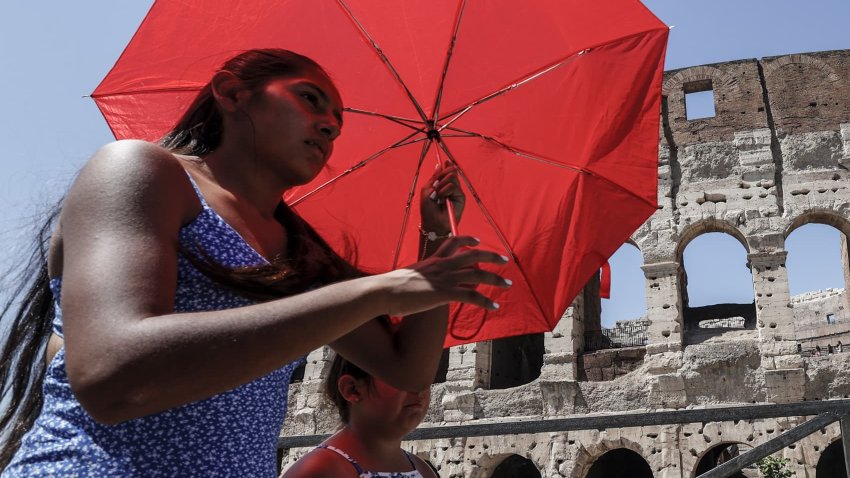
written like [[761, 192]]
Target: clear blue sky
[[53, 53]]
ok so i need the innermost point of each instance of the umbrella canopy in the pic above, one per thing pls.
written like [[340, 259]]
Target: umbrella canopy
[[549, 109]]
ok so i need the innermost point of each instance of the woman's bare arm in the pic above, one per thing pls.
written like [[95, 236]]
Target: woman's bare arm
[[129, 355]]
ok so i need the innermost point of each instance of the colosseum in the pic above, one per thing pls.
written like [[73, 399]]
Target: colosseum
[[774, 157]]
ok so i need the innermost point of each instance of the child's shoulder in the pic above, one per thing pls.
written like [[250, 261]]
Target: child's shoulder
[[423, 467], [320, 463]]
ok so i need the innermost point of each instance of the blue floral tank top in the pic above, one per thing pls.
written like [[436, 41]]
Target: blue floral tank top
[[231, 434]]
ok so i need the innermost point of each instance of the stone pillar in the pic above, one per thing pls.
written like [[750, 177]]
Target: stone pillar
[[558, 376], [784, 376], [664, 307], [664, 348], [845, 266], [306, 399], [670, 461], [469, 368]]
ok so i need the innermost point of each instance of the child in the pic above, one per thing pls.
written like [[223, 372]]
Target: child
[[375, 417]]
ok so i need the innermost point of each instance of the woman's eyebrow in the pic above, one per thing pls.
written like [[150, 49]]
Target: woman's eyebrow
[[337, 113]]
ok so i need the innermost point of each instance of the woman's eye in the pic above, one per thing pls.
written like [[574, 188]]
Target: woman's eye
[[313, 99]]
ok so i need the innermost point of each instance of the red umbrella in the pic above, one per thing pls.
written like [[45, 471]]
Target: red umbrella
[[549, 109]]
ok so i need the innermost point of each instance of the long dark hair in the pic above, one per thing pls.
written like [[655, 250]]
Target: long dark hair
[[309, 261], [26, 316]]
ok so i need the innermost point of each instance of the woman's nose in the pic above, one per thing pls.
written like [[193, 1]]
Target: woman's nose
[[329, 129]]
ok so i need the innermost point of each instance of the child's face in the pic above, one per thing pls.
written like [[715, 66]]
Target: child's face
[[393, 409]]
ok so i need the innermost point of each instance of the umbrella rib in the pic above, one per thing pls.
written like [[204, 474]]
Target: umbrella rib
[[524, 154], [493, 224], [458, 113], [350, 170], [425, 138], [425, 148], [173, 89], [384, 58], [519, 152], [395, 119], [449, 53]]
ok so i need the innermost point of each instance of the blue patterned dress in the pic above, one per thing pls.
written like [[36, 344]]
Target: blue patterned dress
[[233, 434]]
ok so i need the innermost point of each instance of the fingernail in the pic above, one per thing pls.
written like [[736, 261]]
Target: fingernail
[[505, 258], [496, 306], [433, 195], [477, 241], [508, 281], [435, 184]]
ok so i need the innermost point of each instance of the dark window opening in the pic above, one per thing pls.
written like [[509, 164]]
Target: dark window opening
[[699, 100], [719, 455], [515, 361], [443, 368], [298, 374], [831, 462], [830, 319], [516, 466], [620, 463]]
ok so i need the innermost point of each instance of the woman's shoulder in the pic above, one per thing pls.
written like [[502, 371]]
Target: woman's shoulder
[[134, 157], [133, 175], [137, 166]]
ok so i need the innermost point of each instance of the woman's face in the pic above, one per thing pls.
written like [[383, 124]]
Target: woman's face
[[294, 123]]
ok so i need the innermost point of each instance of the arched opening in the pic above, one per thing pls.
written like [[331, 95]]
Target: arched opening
[[620, 463], [298, 374], [516, 466], [616, 345], [720, 454], [624, 312], [817, 267], [717, 288], [515, 361], [443, 368], [831, 462]]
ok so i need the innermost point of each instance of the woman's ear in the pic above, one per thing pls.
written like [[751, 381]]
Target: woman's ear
[[229, 91], [350, 388]]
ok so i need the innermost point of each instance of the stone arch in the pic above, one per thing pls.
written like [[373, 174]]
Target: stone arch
[[696, 229], [716, 455], [819, 216], [588, 455], [801, 59], [516, 466], [701, 323], [831, 461], [829, 303], [718, 78], [488, 464]]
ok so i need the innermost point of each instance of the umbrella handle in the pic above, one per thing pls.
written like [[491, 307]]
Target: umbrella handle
[[450, 208]]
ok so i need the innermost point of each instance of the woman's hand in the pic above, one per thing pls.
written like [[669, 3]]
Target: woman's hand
[[449, 275], [441, 187]]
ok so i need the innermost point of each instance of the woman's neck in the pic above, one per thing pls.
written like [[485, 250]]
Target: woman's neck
[[240, 180]]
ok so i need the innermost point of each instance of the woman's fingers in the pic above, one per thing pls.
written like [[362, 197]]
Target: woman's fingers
[[452, 244], [471, 296], [476, 276]]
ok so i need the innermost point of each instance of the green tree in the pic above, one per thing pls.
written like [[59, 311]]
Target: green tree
[[773, 467]]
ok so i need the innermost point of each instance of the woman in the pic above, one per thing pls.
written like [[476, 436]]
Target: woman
[[189, 291]]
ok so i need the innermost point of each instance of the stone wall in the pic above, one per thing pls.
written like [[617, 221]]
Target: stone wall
[[774, 157]]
